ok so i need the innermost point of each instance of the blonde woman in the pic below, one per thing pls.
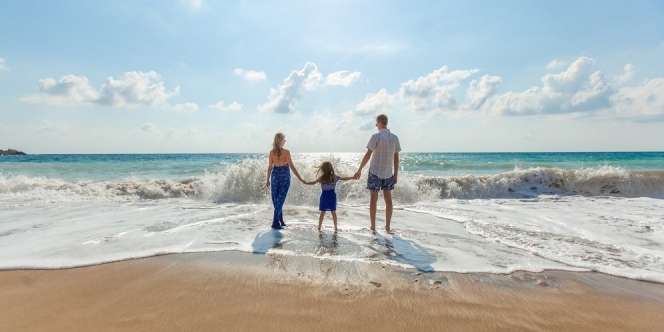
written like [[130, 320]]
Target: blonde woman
[[278, 172]]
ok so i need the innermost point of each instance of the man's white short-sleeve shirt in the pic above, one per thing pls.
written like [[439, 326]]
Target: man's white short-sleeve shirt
[[383, 145]]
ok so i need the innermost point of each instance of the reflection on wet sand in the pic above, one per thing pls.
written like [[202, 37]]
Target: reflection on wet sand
[[320, 245], [328, 244]]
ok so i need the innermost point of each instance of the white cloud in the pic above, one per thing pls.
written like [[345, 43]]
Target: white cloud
[[185, 107], [131, 89], [572, 78], [3, 65], [646, 99], [68, 90], [578, 88], [250, 75], [375, 102], [556, 64], [594, 95], [135, 88], [283, 98], [223, 107], [627, 74], [342, 78], [434, 91], [479, 91]]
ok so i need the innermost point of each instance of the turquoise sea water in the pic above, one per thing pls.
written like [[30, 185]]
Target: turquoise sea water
[[174, 166], [463, 212]]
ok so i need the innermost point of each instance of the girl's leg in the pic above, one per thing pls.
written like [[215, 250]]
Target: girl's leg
[[334, 219], [320, 220]]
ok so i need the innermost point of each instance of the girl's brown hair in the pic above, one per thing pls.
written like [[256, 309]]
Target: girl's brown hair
[[325, 172], [276, 143]]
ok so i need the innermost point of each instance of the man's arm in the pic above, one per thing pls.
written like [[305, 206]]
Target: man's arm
[[396, 166], [366, 158]]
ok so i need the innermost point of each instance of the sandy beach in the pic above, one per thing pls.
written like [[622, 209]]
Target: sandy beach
[[243, 292]]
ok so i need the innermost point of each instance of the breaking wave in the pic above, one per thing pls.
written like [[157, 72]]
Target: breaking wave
[[244, 181]]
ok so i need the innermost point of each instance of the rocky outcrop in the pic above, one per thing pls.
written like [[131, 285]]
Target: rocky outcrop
[[11, 152]]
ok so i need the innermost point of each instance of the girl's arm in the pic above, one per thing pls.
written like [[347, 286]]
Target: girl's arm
[[346, 178], [310, 182], [292, 167], [269, 170]]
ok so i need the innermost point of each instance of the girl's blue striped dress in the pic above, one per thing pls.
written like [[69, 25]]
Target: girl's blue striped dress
[[328, 196]]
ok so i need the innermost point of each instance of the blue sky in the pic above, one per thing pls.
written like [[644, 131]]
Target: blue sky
[[223, 76]]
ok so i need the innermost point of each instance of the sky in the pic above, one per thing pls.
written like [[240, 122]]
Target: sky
[[131, 76]]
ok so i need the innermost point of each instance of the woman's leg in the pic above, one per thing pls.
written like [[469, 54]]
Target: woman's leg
[[274, 189], [284, 194], [279, 190]]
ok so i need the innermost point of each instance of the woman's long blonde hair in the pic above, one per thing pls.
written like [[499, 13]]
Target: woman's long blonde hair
[[325, 173], [276, 143]]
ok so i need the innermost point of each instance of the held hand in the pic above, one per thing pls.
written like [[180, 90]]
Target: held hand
[[267, 184], [357, 175]]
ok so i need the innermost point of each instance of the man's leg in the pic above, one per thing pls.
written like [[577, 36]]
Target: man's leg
[[372, 209], [387, 194]]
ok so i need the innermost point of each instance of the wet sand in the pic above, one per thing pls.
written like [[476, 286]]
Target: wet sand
[[243, 292]]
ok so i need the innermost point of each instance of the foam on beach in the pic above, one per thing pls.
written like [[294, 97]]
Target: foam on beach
[[606, 219]]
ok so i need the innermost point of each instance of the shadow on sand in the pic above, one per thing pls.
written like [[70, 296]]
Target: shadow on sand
[[405, 251], [267, 240]]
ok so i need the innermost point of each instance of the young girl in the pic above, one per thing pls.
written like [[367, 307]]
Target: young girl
[[328, 197]]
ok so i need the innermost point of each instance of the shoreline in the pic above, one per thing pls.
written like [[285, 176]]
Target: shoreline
[[394, 267], [243, 291]]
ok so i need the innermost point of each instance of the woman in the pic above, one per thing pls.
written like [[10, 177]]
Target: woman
[[279, 163]]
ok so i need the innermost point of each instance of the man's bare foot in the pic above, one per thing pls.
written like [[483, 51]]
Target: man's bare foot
[[387, 229]]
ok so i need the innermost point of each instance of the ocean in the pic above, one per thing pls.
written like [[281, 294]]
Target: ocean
[[463, 212]]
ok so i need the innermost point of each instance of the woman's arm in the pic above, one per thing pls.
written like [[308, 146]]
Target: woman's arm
[[269, 170], [292, 167]]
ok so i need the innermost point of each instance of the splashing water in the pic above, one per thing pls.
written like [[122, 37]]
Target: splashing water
[[455, 212]]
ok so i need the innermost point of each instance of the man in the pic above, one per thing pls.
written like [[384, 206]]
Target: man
[[383, 150]]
